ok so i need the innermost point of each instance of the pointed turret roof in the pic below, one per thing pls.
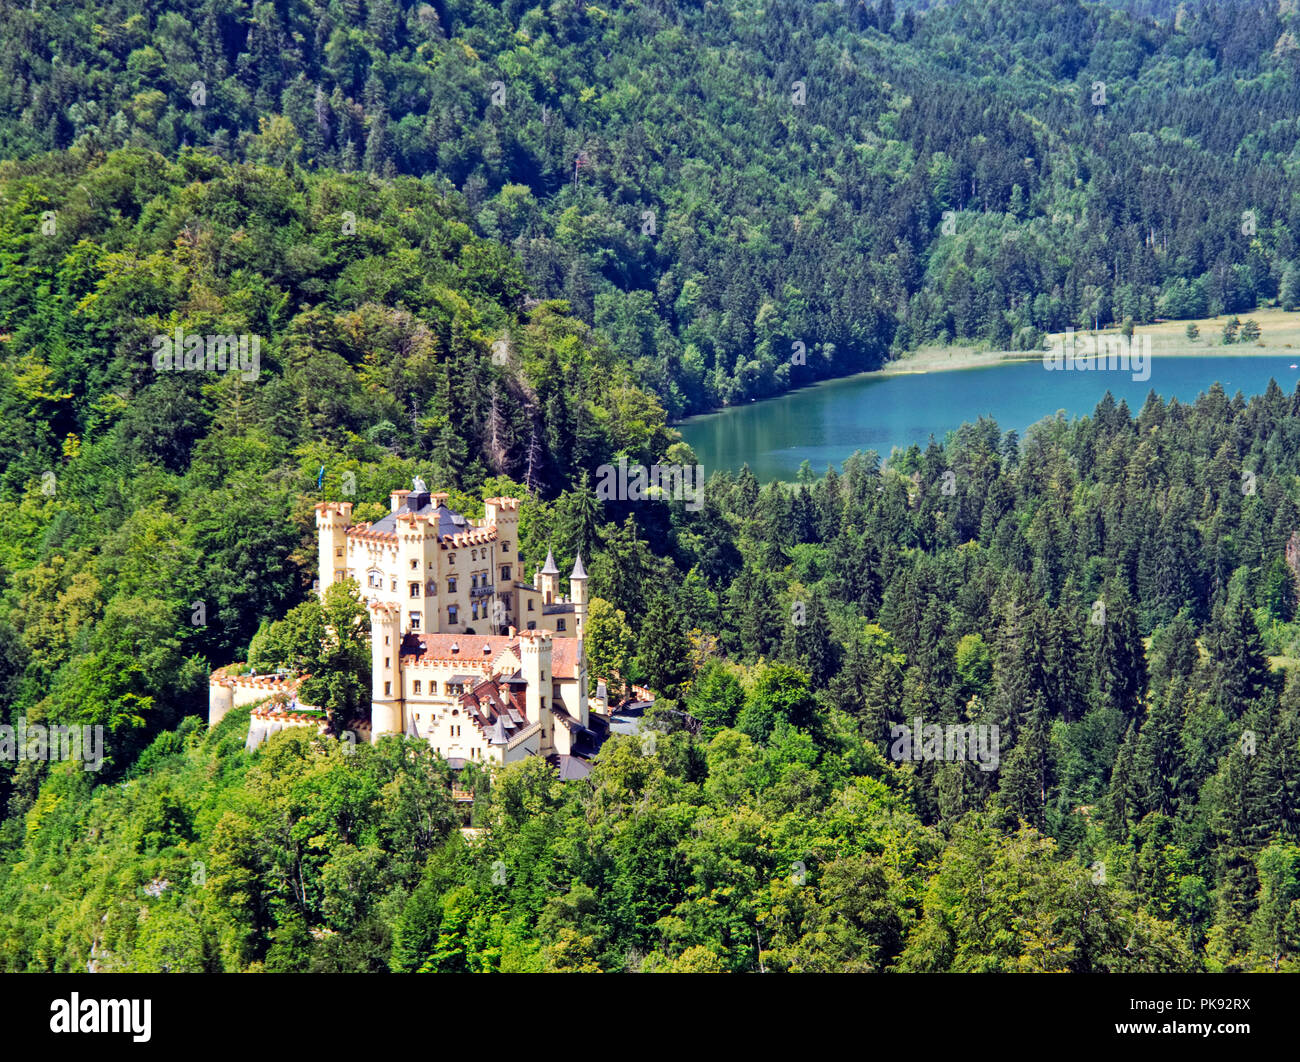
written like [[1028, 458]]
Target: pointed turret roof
[[579, 572], [549, 567]]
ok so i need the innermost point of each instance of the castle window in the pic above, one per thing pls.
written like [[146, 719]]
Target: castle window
[[451, 614], [474, 610], [338, 551], [530, 604], [394, 586], [451, 557], [415, 621], [386, 661], [388, 689], [505, 573], [375, 578], [451, 585], [532, 625], [473, 554], [415, 564], [415, 589], [473, 580], [559, 625], [417, 687]]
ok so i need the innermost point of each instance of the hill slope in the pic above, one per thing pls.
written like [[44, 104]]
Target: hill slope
[[721, 212]]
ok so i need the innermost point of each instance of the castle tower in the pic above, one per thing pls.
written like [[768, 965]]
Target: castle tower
[[221, 699], [549, 580], [385, 669], [535, 661], [503, 514], [578, 595], [332, 522], [416, 579]]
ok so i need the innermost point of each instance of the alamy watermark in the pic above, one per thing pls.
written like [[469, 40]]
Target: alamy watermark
[[39, 742], [1100, 353], [955, 742], [213, 353], [624, 482]]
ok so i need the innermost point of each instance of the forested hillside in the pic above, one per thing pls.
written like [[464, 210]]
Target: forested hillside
[[1145, 814], [500, 299], [155, 518], [983, 171]]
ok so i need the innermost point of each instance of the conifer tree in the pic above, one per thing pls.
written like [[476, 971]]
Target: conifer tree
[[1120, 659], [1025, 772], [663, 653], [1239, 669], [1158, 760]]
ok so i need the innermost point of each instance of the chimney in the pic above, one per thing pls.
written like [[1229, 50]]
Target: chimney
[[397, 499]]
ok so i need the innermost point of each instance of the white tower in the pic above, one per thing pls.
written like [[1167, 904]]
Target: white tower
[[385, 669]]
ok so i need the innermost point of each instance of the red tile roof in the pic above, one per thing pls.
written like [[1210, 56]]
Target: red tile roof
[[437, 649]]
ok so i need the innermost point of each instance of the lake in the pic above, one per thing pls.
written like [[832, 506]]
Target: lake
[[826, 423]]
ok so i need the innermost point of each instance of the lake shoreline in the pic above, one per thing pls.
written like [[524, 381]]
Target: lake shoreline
[[963, 361], [956, 362], [884, 411], [1168, 341]]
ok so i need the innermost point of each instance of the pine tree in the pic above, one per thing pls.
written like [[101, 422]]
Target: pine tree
[[807, 642], [577, 519], [1288, 296], [1123, 800], [1120, 660], [1239, 668], [752, 613], [1158, 760], [1173, 651], [663, 653], [746, 492], [1025, 772]]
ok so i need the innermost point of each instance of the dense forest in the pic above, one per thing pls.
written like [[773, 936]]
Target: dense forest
[[711, 183], [500, 298], [1145, 816]]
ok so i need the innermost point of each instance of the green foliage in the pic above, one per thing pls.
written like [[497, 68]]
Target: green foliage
[[929, 185], [329, 644], [475, 308]]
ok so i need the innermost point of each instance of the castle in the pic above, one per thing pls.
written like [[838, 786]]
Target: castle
[[450, 664], [445, 573]]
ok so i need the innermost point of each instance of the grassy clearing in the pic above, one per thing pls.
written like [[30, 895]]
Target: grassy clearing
[[1279, 335]]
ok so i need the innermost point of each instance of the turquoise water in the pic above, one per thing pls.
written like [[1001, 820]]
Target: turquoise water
[[825, 424]]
